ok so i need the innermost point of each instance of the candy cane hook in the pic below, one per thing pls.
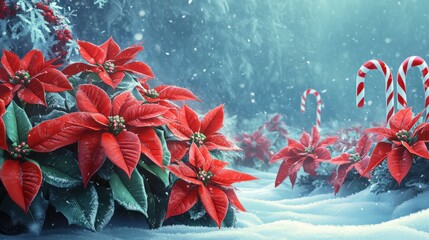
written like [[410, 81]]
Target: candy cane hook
[[360, 85], [319, 104], [413, 61]]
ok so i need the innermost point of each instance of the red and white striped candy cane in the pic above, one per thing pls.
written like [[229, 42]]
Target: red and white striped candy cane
[[319, 104], [360, 85], [410, 62]]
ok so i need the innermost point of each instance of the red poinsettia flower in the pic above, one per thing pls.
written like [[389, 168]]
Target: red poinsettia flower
[[256, 146], [109, 62], [402, 146], [204, 178], [276, 125], [308, 152], [164, 94], [119, 130], [189, 129], [346, 161], [29, 78]]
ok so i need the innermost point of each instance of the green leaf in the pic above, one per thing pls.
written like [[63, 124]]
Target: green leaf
[[167, 155], [1, 157], [39, 118], [137, 94], [230, 218], [128, 83], [197, 211], [62, 101], [162, 174], [79, 205], [17, 123], [217, 154], [157, 208], [106, 170], [129, 193], [106, 207], [60, 169], [35, 217]]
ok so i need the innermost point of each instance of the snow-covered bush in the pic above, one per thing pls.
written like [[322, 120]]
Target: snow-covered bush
[[34, 24]]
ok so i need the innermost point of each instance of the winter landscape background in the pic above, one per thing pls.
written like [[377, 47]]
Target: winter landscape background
[[257, 57]]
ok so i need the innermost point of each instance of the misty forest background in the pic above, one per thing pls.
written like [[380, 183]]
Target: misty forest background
[[258, 57]]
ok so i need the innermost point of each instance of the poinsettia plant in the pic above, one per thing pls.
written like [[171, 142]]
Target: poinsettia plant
[[103, 143], [348, 161], [308, 152], [204, 179], [255, 146], [119, 129], [259, 146], [403, 143]]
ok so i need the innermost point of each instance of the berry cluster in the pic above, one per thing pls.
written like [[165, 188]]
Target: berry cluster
[[6, 10], [62, 34], [117, 124], [308, 149], [198, 138], [21, 77], [151, 93], [204, 176], [354, 158], [19, 150], [403, 135], [48, 14], [109, 67]]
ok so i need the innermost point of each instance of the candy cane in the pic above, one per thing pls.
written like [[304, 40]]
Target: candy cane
[[360, 85], [410, 62], [319, 104]]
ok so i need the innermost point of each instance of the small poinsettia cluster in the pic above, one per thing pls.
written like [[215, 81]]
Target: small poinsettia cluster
[[116, 136], [257, 146], [308, 152], [403, 143]]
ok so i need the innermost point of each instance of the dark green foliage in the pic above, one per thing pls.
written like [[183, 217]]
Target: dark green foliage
[[416, 179]]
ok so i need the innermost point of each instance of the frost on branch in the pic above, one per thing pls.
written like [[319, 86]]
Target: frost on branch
[[34, 25], [100, 3]]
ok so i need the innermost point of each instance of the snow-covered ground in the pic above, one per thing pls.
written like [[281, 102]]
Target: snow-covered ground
[[282, 213]]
